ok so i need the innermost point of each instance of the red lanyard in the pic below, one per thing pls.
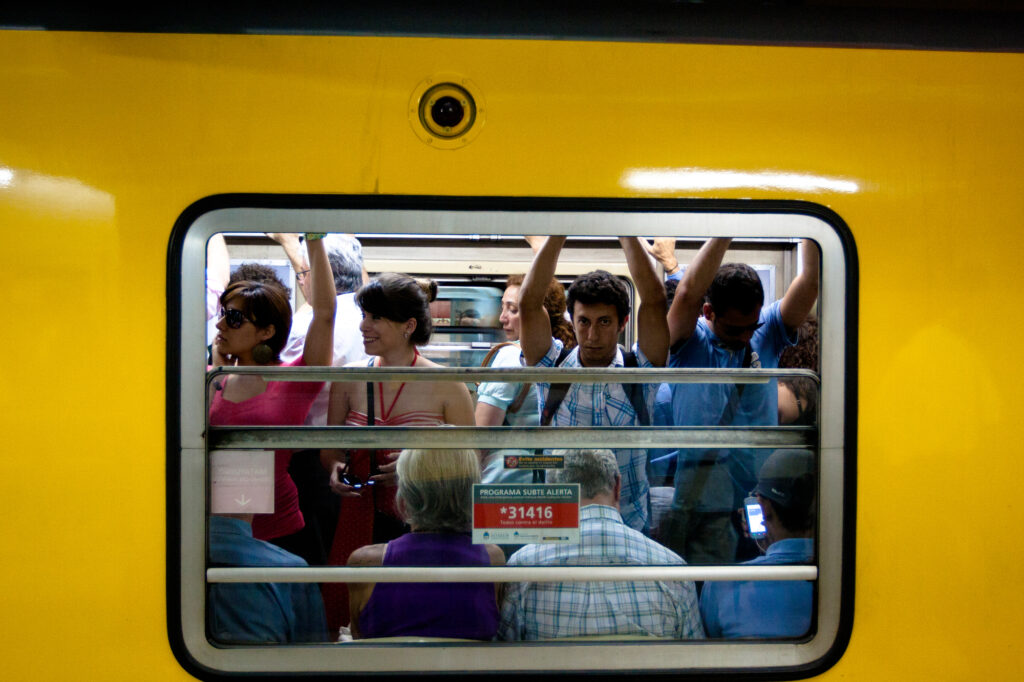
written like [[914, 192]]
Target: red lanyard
[[386, 414]]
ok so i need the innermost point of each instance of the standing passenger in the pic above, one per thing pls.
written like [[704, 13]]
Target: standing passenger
[[515, 404], [255, 319], [319, 505], [731, 329], [396, 320], [599, 308]]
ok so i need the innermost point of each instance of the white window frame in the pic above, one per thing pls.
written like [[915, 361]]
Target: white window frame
[[187, 488]]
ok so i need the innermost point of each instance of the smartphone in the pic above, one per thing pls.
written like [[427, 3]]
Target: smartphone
[[755, 518]]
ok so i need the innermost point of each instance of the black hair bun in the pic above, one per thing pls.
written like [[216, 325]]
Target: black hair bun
[[429, 287]]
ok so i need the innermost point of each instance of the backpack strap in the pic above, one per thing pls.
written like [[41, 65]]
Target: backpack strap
[[635, 392], [556, 394]]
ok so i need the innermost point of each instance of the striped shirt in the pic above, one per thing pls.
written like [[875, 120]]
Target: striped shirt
[[607, 405], [533, 611]]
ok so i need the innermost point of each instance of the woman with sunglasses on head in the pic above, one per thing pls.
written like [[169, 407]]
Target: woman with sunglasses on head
[[255, 319], [396, 320]]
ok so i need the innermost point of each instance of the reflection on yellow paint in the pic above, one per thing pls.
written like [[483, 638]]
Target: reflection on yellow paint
[[54, 195], [696, 179]]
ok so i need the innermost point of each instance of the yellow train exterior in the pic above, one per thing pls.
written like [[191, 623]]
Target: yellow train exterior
[[106, 138]]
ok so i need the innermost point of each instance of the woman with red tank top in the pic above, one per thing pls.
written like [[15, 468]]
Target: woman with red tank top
[[255, 320], [396, 319]]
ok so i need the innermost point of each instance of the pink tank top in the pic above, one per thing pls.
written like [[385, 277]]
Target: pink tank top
[[283, 403]]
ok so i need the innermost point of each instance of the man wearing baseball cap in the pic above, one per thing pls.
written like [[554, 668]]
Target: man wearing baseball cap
[[786, 490]]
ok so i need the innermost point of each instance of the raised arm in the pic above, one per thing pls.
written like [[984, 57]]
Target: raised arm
[[319, 347], [218, 274], [535, 325], [696, 280], [803, 291], [289, 241], [218, 269], [652, 335]]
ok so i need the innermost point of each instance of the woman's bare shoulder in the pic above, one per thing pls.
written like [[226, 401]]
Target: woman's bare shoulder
[[495, 554], [368, 555]]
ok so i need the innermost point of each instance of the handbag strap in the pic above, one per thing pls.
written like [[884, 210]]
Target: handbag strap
[[523, 390]]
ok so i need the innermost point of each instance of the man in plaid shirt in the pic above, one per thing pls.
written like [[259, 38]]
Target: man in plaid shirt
[[532, 611], [598, 304]]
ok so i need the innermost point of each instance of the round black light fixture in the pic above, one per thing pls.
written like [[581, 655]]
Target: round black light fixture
[[446, 111]]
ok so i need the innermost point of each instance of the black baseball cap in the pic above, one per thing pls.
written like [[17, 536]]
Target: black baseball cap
[[787, 478]]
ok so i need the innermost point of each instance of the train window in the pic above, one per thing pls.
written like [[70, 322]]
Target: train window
[[690, 513]]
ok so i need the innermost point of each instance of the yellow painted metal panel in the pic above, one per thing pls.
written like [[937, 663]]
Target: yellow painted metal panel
[[105, 139]]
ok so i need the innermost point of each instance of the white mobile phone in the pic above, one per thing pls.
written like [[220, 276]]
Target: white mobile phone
[[755, 518]]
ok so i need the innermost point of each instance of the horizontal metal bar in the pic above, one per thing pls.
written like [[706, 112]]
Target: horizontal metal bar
[[524, 437], [494, 574], [581, 375]]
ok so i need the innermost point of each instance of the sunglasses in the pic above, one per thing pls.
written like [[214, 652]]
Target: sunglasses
[[737, 329], [234, 317]]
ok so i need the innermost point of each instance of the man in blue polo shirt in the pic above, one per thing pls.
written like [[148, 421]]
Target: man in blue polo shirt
[[718, 320], [772, 608]]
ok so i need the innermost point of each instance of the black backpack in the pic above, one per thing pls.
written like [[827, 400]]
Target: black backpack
[[635, 392]]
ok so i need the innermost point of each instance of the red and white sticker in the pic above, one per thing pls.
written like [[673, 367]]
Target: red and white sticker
[[526, 514]]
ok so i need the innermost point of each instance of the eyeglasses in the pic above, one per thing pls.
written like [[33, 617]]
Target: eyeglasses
[[234, 317], [737, 329], [302, 275]]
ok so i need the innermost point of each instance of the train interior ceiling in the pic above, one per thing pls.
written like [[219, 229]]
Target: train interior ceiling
[[471, 271]]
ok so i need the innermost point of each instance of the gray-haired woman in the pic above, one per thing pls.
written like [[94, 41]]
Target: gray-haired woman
[[435, 499]]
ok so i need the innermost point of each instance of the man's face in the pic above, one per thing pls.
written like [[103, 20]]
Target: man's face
[[733, 328], [597, 327]]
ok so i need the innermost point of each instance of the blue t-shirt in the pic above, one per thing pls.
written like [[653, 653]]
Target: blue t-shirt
[[704, 404], [770, 608], [259, 613]]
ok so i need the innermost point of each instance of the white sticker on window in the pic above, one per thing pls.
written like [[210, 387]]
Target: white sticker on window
[[242, 482]]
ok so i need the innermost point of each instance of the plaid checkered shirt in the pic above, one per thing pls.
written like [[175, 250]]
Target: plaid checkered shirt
[[533, 611], [607, 405]]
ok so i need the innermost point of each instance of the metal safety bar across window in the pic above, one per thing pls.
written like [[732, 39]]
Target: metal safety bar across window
[[263, 437]]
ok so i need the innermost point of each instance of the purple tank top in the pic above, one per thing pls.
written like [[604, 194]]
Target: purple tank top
[[462, 610]]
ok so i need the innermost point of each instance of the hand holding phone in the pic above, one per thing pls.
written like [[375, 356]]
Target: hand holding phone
[[755, 518]]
